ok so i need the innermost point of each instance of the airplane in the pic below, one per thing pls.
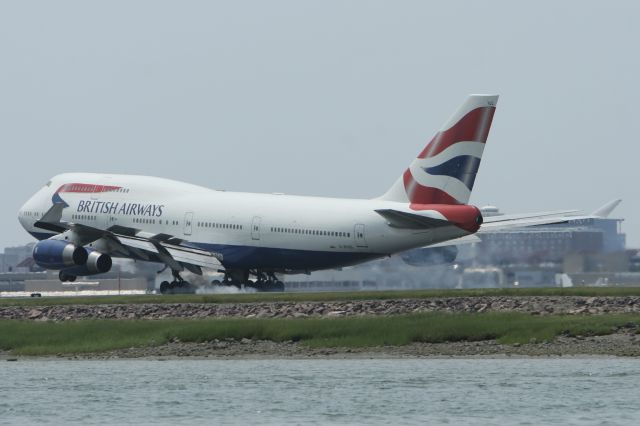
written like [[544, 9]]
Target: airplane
[[83, 220]]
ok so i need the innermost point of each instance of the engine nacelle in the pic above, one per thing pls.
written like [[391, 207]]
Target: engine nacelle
[[430, 256], [58, 254], [97, 263]]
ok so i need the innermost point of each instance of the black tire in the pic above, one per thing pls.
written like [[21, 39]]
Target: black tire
[[164, 287], [216, 282], [62, 276]]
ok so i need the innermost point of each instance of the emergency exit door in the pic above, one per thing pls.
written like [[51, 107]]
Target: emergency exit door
[[188, 219], [358, 233]]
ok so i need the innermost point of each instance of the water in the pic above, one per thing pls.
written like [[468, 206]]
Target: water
[[402, 391]]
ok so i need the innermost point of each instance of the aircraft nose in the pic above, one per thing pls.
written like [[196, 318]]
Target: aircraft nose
[[30, 211], [22, 213]]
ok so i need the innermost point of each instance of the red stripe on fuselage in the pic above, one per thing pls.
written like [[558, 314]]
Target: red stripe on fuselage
[[472, 127], [86, 188]]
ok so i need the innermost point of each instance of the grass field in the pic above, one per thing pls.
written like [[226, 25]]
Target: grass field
[[328, 296], [73, 337]]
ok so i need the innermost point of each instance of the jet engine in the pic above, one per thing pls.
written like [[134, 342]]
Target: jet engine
[[430, 256], [97, 263], [59, 254]]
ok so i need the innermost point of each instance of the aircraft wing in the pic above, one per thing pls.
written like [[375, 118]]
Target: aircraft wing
[[496, 226], [523, 223], [524, 220], [511, 218], [128, 243]]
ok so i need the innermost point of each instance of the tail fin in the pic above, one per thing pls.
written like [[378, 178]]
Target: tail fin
[[446, 169]]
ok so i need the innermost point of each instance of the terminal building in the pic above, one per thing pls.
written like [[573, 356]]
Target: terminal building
[[13, 259]]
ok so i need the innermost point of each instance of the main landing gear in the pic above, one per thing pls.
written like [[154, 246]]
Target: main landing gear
[[264, 281], [177, 286]]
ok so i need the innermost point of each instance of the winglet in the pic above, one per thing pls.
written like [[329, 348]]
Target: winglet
[[606, 210]]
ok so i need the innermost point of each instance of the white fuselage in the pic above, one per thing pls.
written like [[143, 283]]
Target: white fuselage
[[251, 231]]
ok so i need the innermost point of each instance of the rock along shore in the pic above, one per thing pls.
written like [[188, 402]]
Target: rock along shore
[[534, 305]]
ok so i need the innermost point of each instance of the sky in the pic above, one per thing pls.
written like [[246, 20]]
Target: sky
[[326, 98]]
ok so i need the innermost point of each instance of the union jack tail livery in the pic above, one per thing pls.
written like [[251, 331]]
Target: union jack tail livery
[[446, 169]]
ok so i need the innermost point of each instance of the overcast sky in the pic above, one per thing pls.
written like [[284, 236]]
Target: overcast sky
[[328, 98]]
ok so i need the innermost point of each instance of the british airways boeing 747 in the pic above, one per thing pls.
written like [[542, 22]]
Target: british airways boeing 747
[[83, 220]]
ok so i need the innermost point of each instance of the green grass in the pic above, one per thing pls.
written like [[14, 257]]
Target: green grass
[[328, 296], [72, 337]]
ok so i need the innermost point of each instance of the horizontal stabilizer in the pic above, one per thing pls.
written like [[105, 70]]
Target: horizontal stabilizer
[[399, 219]]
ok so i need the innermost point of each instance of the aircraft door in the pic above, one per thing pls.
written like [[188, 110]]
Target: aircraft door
[[255, 228], [188, 219], [358, 234]]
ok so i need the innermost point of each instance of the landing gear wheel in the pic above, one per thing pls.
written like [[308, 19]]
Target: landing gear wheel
[[62, 276], [164, 287]]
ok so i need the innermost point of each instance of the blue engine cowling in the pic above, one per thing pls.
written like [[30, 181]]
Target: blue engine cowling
[[97, 263], [430, 256], [58, 254]]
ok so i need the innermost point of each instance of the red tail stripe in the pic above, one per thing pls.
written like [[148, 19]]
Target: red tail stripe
[[474, 126], [420, 194]]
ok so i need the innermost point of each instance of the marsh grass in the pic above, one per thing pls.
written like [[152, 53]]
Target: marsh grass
[[84, 336]]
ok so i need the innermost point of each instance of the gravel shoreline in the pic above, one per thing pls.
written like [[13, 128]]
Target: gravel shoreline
[[535, 305], [624, 343]]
